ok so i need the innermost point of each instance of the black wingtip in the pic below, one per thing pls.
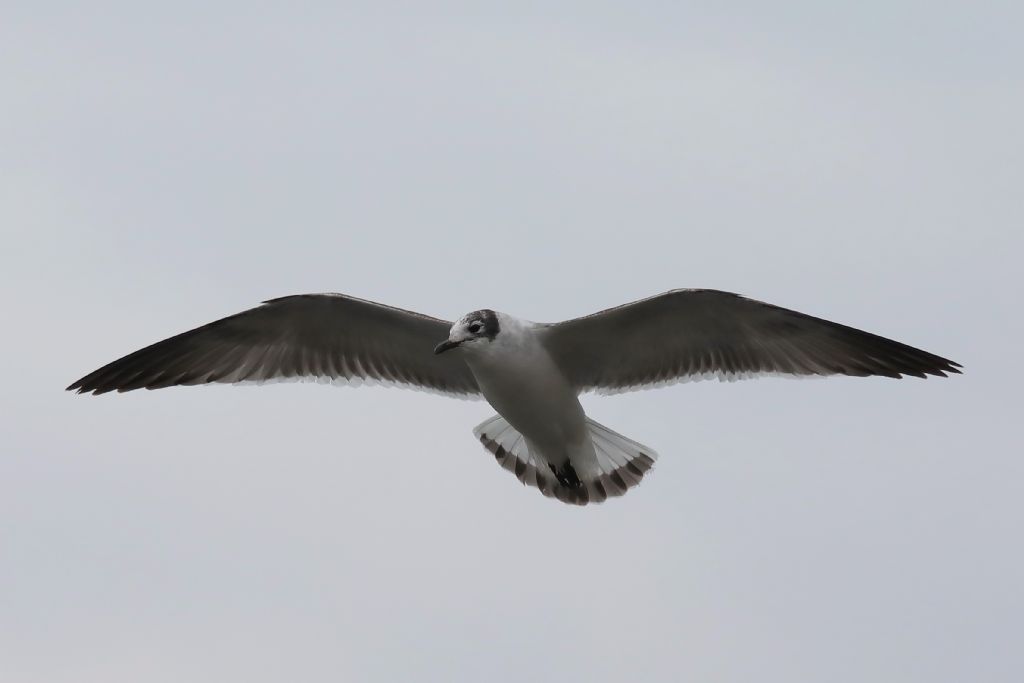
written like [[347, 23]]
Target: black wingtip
[[946, 366], [87, 386], [924, 365]]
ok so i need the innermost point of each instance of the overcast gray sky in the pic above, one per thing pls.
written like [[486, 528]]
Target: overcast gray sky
[[166, 166]]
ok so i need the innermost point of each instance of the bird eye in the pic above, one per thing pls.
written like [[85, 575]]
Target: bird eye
[[474, 328]]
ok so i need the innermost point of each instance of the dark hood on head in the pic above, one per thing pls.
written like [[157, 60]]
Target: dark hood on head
[[489, 320]]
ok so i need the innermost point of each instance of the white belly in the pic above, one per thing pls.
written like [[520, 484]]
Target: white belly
[[525, 386]]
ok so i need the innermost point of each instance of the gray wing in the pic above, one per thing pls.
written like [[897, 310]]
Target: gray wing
[[315, 336], [696, 333]]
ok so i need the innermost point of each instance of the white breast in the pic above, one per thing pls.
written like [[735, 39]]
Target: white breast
[[520, 380]]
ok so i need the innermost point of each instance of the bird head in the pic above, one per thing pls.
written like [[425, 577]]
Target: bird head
[[473, 329]]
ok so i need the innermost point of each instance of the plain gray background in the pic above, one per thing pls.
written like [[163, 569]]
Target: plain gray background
[[166, 166]]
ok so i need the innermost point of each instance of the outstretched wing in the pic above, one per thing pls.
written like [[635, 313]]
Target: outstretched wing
[[696, 333], [315, 336]]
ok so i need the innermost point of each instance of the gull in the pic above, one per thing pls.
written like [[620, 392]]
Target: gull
[[531, 373]]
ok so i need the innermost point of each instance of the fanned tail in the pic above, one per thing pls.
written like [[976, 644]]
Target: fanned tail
[[618, 463]]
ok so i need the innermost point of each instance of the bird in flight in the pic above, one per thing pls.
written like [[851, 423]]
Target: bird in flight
[[531, 373]]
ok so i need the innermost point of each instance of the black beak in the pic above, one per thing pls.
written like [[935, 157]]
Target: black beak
[[446, 345]]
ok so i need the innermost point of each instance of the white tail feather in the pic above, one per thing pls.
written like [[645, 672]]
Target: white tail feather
[[620, 462]]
